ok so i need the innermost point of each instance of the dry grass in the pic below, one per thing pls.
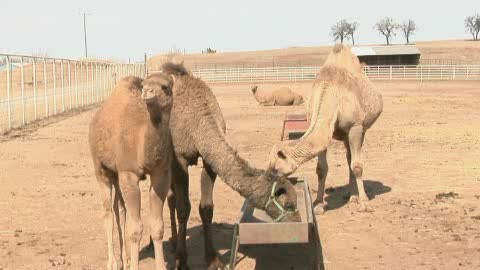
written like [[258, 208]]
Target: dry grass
[[315, 56]]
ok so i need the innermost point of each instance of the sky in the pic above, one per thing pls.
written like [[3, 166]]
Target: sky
[[126, 29]]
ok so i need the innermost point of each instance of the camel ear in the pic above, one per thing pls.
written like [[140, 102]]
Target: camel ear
[[173, 79], [281, 155]]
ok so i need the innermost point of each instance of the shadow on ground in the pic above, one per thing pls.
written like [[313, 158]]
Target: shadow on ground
[[265, 256], [338, 196]]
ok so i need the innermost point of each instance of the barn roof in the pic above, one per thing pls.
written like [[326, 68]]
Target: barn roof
[[385, 50]]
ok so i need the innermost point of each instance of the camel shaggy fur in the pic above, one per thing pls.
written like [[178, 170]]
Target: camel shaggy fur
[[198, 130], [130, 138], [283, 96], [345, 104]]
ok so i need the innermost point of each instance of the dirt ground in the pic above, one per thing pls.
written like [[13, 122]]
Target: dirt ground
[[421, 165]]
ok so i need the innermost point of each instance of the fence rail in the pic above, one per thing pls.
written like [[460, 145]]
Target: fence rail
[[32, 88], [420, 72]]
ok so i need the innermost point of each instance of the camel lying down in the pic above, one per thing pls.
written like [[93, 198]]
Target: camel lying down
[[278, 97]]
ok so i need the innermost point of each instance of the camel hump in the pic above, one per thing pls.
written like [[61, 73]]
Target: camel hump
[[132, 83], [338, 48], [174, 69]]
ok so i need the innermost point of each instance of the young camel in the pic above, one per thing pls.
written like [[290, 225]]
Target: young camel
[[129, 138], [345, 105], [198, 130], [279, 97]]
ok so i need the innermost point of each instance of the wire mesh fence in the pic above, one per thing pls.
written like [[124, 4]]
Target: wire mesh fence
[[32, 88]]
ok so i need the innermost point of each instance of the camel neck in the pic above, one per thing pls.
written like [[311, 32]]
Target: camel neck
[[248, 181], [320, 132]]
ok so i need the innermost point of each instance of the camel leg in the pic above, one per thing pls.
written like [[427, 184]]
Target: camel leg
[[120, 214], [160, 185], [105, 182], [173, 223], [355, 139], [128, 182], [206, 213], [352, 182], [180, 180], [322, 171]]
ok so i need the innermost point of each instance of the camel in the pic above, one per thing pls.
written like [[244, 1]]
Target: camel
[[278, 97], [345, 104], [130, 138], [198, 130]]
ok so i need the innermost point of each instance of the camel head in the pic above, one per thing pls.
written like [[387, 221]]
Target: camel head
[[280, 163], [254, 89], [282, 200], [157, 90]]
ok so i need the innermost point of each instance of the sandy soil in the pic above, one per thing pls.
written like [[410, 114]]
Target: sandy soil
[[425, 144]]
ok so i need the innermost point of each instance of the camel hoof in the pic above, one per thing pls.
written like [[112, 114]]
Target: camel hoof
[[112, 265], [363, 207], [216, 264], [319, 209], [353, 199], [181, 266]]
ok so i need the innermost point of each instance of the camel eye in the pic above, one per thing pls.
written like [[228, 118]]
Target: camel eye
[[164, 87], [281, 155]]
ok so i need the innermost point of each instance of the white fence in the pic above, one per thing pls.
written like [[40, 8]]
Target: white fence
[[32, 88], [421, 72]]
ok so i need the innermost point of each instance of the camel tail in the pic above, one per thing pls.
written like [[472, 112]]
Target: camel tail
[[175, 69]]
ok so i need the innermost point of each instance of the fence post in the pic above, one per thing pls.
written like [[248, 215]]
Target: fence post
[[84, 83], [391, 70], [34, 68], [454, 71], [23, 90], [75, 75], [70, 84], [421, 73], [104, 81], [96, 83], [54, 87], [45, 87], [62, 73], [92, 85], [86, 91], [9, 90]]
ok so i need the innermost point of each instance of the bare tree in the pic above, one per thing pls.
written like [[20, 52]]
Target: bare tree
[[352, 27], [340, 31], [472, 25], [387, 28], [408, 28]]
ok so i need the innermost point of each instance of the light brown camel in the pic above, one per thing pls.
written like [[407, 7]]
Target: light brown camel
[[344, 105], [283, 96], [129, 138], [198, 130]]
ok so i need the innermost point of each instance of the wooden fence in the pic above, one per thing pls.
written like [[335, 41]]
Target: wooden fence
[[420, 72], [32, 88]]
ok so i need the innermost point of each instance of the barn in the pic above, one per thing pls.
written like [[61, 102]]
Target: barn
[[387, 55]]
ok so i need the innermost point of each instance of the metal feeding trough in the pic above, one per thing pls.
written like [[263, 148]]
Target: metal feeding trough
[[294, 126], [289, 245]]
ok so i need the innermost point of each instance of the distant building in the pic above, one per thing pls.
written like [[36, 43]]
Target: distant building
[[387, 55]]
